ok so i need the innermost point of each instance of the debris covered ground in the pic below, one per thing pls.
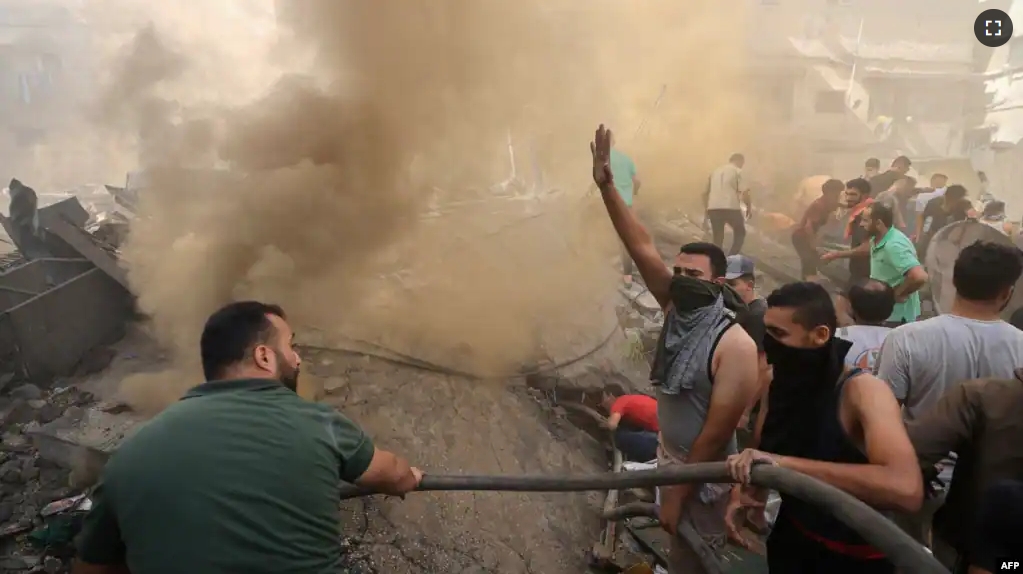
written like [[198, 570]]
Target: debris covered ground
[[54, 433]]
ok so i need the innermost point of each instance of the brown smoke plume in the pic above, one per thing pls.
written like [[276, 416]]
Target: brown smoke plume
[[329, 177]]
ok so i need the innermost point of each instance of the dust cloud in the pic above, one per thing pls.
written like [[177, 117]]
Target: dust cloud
[[352, 174]]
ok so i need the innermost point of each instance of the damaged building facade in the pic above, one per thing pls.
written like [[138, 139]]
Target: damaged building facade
[[849, 79], [45, 69]]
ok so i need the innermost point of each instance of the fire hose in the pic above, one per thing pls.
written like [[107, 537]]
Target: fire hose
[[908, 555]]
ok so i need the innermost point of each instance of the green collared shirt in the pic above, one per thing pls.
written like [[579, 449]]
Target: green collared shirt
[[238, 476], [890, 259]]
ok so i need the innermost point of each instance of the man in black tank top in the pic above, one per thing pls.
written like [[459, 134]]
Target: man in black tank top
[[841, 426]]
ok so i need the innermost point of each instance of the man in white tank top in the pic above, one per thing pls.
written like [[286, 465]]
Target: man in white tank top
[[870, 304]]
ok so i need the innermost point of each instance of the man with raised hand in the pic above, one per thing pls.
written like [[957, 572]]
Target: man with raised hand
[[705, 369]]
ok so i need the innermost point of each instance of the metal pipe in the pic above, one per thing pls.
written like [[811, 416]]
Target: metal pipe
[[907, 554]]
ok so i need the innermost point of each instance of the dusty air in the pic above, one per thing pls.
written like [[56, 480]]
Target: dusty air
[[329, 286]]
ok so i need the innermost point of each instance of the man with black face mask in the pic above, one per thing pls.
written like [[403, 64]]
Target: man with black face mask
[[705, 370], [839, 425], [241, 474]]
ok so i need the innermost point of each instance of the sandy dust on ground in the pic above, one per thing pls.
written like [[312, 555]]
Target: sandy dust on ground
[[453, 426]]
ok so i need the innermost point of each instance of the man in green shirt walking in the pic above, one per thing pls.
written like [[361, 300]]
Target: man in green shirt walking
[[627, 182], [893, 261], [240, 475]]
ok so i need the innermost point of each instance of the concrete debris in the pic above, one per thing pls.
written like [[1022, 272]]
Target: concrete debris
[[66, 295], [37, 499]]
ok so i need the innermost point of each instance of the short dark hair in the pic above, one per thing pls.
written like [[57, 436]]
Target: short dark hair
[[231, 332], [994, 207], [832, 186], [859, 184], [956, 191], [873, 162], [941, 175], [881, 212], [985, 269], [811, 304], [737, 157], [718, 261], [872, 301], [901, 160]]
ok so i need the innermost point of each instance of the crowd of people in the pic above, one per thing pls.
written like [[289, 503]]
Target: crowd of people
[[243, 475], [920, 418]]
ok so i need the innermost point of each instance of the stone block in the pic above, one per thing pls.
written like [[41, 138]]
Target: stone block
[[83, 439]]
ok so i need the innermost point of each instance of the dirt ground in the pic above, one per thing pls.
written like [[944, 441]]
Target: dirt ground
[[446, 425]]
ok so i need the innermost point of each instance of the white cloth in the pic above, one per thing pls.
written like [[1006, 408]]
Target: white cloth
[[726, 185], [923, 198]]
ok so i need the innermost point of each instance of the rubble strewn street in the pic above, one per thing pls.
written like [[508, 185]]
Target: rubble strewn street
[[56, 436], [29, 482]]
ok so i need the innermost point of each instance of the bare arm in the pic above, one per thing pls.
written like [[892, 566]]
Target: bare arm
[[947, 425], [736, 384], [639, 244], [915, 279], [389, 473], [861, 250], [891, 479], [636, 184], [614, 420], [919, 228], [758, 426]]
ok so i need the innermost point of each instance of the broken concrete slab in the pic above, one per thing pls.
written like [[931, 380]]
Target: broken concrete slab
[[55, 309], [83, 439], [46, 335], [80, 240]]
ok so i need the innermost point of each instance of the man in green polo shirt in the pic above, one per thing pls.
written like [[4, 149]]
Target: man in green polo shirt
[[893, 261], [240, 476]]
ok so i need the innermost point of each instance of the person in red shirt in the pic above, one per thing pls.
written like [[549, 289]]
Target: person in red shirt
[[633, 420], [804, 236]]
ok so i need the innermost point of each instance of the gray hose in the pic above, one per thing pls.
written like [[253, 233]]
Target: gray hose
[[907, 554]]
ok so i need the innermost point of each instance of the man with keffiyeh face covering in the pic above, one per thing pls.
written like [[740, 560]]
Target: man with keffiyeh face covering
[[840, 425], [705, 371]]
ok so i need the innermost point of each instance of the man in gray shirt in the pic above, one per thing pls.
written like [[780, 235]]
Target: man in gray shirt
[[922, 360], [705, 370]]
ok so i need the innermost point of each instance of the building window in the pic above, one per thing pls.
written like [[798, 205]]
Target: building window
[[830, 102]]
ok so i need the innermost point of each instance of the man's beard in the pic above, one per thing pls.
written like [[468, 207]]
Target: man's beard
[[286, 374]]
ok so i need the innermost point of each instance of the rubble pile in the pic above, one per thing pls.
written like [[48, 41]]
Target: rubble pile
[[63, 299], [40, 506]]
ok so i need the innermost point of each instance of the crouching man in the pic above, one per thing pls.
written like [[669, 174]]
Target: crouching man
[[240, 475], [633, 420]]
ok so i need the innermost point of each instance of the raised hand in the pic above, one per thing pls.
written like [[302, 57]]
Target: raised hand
[[600, 148]]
